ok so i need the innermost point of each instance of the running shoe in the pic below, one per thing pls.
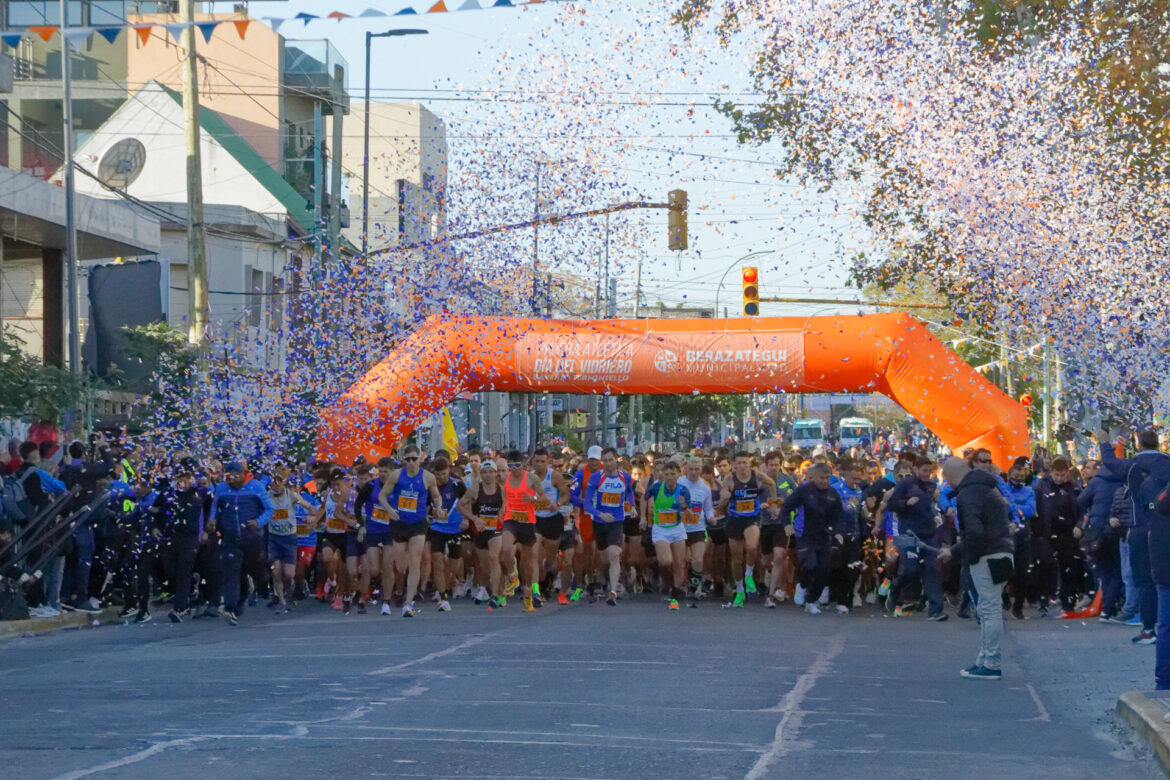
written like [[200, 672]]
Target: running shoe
[[174, 617], [535, 590], [779, 595], [528, 604], [337, 603], [385, 608], [750, 586], [437, 597], [513, 583], [361, 608], [143, 617], [481, 595], [693, 603], [282, 608], [577, 593], [612, 599], [409, 611], [673, 604], [562, 599], [345, 606], [812, 608], [230, 617], [769, 603], [798, 598], [444, 606], [501, 601], [981, 673], [737, 602], [127, 612], [842, 609]]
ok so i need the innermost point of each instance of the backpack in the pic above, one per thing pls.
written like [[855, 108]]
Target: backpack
[[1122, 506], [15, 506], [1162, 501]]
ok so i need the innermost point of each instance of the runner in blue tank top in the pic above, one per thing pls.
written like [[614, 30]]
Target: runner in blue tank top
[[742, 495], [408, 496]]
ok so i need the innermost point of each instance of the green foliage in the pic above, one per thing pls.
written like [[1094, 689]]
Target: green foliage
[[564, 432], [31, 389]]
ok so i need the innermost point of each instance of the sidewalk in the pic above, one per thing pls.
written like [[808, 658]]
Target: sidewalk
[[1145, 711], [14, 628]]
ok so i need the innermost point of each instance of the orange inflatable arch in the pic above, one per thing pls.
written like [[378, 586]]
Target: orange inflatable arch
[[892, 354]]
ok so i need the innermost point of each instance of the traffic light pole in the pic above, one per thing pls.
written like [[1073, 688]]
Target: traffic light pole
[[549, 220]]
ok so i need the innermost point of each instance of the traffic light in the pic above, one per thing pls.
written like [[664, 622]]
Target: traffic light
[[1026, 400], [751, 291], [676, 230]]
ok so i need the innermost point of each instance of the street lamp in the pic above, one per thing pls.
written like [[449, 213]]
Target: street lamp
[[733, 265], [366, 135]]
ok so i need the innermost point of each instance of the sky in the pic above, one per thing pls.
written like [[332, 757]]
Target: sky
[[645, 125]]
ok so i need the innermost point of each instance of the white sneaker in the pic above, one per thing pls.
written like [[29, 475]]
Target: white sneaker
[[780, 595], [856, 601], [824, 599], [842, 609], [871, 598], [385, 608], [94, 603], [769, 603], [481, 595], [37, 612], [444, 606], [812, 608], [557, 584], [798, 597]]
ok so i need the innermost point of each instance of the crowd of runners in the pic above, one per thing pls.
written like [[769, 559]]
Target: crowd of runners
[[828, 530]]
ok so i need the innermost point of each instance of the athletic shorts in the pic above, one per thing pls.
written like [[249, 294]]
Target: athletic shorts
[[771, 538], [354, 548], [717, 534], [569, 539], [695, 537], [377, 538], [404, 532], [737, 525], [585, 527], [524, 533], [282, 549], [606, 535], [443, 542], [632, 526], [551, 527], [334, 540], [668, 533], [305, 556], [647, 544], [481, 538]]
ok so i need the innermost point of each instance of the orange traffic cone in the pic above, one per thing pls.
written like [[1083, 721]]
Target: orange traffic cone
[[1093, 610]]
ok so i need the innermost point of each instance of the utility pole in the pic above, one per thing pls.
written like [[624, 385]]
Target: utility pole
[[197, 308], [635, 400], [70, 219]]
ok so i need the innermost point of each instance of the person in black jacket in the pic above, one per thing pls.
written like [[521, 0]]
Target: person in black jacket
[[986, 547], [186, 509], [1058, 552], [823, 515], [915, 503]]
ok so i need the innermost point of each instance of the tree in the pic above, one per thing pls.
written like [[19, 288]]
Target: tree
[[29, 388]]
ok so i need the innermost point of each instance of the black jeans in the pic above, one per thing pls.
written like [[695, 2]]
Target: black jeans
[[814, 560], [1070, 565], [181, 563], [842, 574]]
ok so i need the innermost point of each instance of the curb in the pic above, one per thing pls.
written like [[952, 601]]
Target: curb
[[18, 628], [1146, 717]]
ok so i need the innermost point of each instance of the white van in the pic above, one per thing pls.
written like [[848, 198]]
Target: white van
[[851, 430], [808, 434]]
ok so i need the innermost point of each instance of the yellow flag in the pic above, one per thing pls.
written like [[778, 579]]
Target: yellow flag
[[450, 438]]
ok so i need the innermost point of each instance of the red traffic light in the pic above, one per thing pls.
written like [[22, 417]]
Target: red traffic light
[[750, 275], [1026, 399]]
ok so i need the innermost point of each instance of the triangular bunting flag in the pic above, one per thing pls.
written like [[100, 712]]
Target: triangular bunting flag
[[470, 5], [502, 4], [176, 29], [207, 28], [438, 8], [274, 23], [338, 15], [109, 33], [77, 35], [11, 38], [44, 31], [143, 31], [307, 17], [242, 26], [408, 11], [371, 12]]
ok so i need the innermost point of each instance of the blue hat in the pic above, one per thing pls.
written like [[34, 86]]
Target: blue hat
[[235, 467]]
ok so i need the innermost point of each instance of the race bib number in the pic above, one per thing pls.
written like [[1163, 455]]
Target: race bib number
[[303, 529], [407, 503], [696, 513], [543, 503], [667, 517], [280, 514], [519, 516], [490, 522], [745, 506], [335, 525], [611, 499], [380, 514]]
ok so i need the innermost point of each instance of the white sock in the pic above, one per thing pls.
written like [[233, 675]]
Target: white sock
[[739, 586], [748, 572]]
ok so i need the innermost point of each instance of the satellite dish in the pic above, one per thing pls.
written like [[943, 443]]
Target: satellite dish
[[122, 163]]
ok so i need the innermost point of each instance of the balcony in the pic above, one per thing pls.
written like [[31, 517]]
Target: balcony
[[315, 68]]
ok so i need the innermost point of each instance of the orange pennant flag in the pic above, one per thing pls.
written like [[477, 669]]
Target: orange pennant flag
[[143, 31], [338, 15], [242, 26], [438, 8], [45, 32]]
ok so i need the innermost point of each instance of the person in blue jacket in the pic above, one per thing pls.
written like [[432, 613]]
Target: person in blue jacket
[[1021, 500], [1101, 540], [240, 509]]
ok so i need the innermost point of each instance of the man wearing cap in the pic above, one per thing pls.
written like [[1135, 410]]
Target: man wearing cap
[[240, 508], [607, 495]]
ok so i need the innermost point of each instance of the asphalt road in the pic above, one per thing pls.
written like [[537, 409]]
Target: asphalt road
[[568, 692]]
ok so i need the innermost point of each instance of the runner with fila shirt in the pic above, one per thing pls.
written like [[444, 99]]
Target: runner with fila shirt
[[668, 508], [443, 536], [743, 495], [483, 506], [409, 496], [522, 492], [606, 497], [550, 525], [701, 513]]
